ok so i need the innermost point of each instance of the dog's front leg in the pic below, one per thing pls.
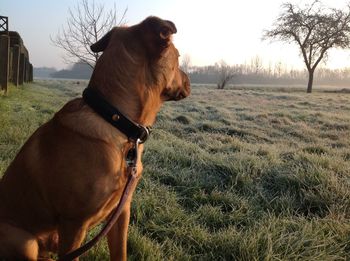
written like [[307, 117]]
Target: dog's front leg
[[71, 235], [118, 236]]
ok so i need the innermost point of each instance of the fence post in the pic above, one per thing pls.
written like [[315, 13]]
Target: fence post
[[31, 72], [4, 61], [15, 64], [21, 69], [25, 69]]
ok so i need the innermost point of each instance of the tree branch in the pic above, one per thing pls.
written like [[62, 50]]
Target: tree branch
[[86, 24]]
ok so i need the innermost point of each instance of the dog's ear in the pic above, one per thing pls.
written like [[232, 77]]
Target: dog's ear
[[101, 44], [156, 34]]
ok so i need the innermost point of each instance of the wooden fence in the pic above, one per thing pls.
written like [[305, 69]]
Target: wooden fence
[[14, 57]]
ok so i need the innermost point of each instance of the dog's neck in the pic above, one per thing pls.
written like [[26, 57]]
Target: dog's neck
[[136, 104]]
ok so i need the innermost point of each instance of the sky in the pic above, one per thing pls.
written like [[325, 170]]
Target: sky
[[208, 31]]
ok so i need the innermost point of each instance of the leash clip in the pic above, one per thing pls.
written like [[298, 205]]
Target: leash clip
[[133, 155]]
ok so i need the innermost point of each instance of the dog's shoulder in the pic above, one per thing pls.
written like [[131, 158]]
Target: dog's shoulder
[[78, 117]]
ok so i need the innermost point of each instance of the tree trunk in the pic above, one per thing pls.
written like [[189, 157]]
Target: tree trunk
[[310, 82]]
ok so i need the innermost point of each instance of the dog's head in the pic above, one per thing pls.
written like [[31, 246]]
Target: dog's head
[[145, 53]]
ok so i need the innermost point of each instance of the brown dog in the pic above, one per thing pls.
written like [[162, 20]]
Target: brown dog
[[70, 174]]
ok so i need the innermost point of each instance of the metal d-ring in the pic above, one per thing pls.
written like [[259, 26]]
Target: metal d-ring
[[145, 134]]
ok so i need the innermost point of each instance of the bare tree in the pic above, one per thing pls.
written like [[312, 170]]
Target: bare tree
[[278, 69], [226, 73], [315, 29], [185, 63], [256, 64], [87, 23]]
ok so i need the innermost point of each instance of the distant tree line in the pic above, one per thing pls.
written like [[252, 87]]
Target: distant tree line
[[249, 73], [256, 73], [76, 71]]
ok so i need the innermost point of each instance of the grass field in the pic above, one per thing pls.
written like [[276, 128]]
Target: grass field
[[237, 174]]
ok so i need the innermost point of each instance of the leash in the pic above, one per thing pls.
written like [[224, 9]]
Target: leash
[[137, 134], [132, 158]]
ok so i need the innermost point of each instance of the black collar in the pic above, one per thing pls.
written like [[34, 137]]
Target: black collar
[[134, 131]]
